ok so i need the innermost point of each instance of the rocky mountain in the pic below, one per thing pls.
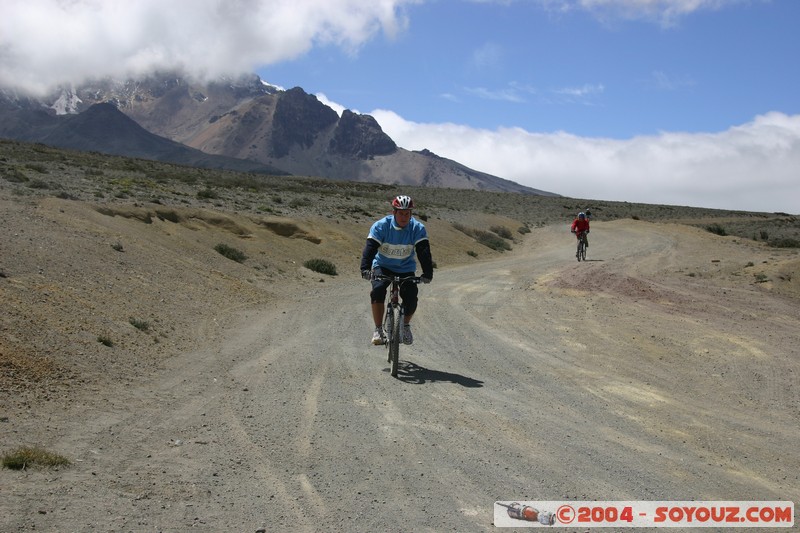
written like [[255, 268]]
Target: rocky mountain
[[103, 128], [241, 120]]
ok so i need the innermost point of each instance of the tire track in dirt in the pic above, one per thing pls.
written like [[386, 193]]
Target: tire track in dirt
[[531, 377]]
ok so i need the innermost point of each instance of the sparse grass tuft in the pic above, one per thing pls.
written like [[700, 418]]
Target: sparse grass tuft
[[231, 253], [39, 184], [141, 325], [27, 456], [37, 167], [786, 242], [323, 266], [299, 202], [717, 229], [488, 239], [207, 194], [105, 341], [14, 175], [493, 241], [170, 216], [501, 231]]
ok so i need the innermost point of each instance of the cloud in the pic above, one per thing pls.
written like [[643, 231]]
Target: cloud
[[450, 97], [581, 92], [514, 92], [339, 108], [44, 43], [664, 82], [579, 95], [508, 94], [751, 167], [488, 55], [663, 12]]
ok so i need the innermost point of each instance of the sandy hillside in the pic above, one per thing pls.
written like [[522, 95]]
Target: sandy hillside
[[191, 391]]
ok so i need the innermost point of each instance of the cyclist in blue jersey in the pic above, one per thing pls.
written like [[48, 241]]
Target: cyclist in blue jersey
[[394, 244]]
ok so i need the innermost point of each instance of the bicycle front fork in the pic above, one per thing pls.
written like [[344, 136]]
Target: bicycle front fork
[[391, 316]]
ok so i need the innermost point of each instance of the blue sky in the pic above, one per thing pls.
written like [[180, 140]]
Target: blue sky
[[587, 72], [686, 102]]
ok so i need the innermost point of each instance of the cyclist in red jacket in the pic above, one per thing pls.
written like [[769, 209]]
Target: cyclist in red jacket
[[580, 224]]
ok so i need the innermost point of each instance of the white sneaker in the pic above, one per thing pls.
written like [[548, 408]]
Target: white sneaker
[[378, 337], [408, 338]]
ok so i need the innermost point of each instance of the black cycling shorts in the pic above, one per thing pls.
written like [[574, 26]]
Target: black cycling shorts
[[408, 291]]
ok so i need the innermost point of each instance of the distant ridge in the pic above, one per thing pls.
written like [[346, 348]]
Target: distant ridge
[[103, 128], [238, 124]]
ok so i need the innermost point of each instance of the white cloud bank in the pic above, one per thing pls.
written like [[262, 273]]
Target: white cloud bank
[[44, 43], [752, 167]]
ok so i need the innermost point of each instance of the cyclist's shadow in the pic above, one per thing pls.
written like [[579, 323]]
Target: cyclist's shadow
[[419, 375]]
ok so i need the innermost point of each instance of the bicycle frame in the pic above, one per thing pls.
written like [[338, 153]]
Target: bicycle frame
[[581, 253], [394, 318]]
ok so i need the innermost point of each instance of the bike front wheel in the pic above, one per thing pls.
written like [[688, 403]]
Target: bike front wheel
[[394, 341], [388, 330]]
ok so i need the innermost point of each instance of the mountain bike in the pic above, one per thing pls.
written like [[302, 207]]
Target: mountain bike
[[393, 319], [581, 253]]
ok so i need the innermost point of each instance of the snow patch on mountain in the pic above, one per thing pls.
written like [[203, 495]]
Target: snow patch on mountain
[[271, 86], [67, 103]]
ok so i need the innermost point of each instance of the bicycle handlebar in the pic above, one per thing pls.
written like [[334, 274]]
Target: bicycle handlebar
[[414, 279]]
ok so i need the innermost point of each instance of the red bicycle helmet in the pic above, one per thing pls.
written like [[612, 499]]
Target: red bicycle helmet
[[403, 202]]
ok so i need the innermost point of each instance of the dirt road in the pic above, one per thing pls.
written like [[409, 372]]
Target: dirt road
[[656, 370]]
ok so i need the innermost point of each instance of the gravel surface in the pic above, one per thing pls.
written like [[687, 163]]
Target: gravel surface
[[656, 370]]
